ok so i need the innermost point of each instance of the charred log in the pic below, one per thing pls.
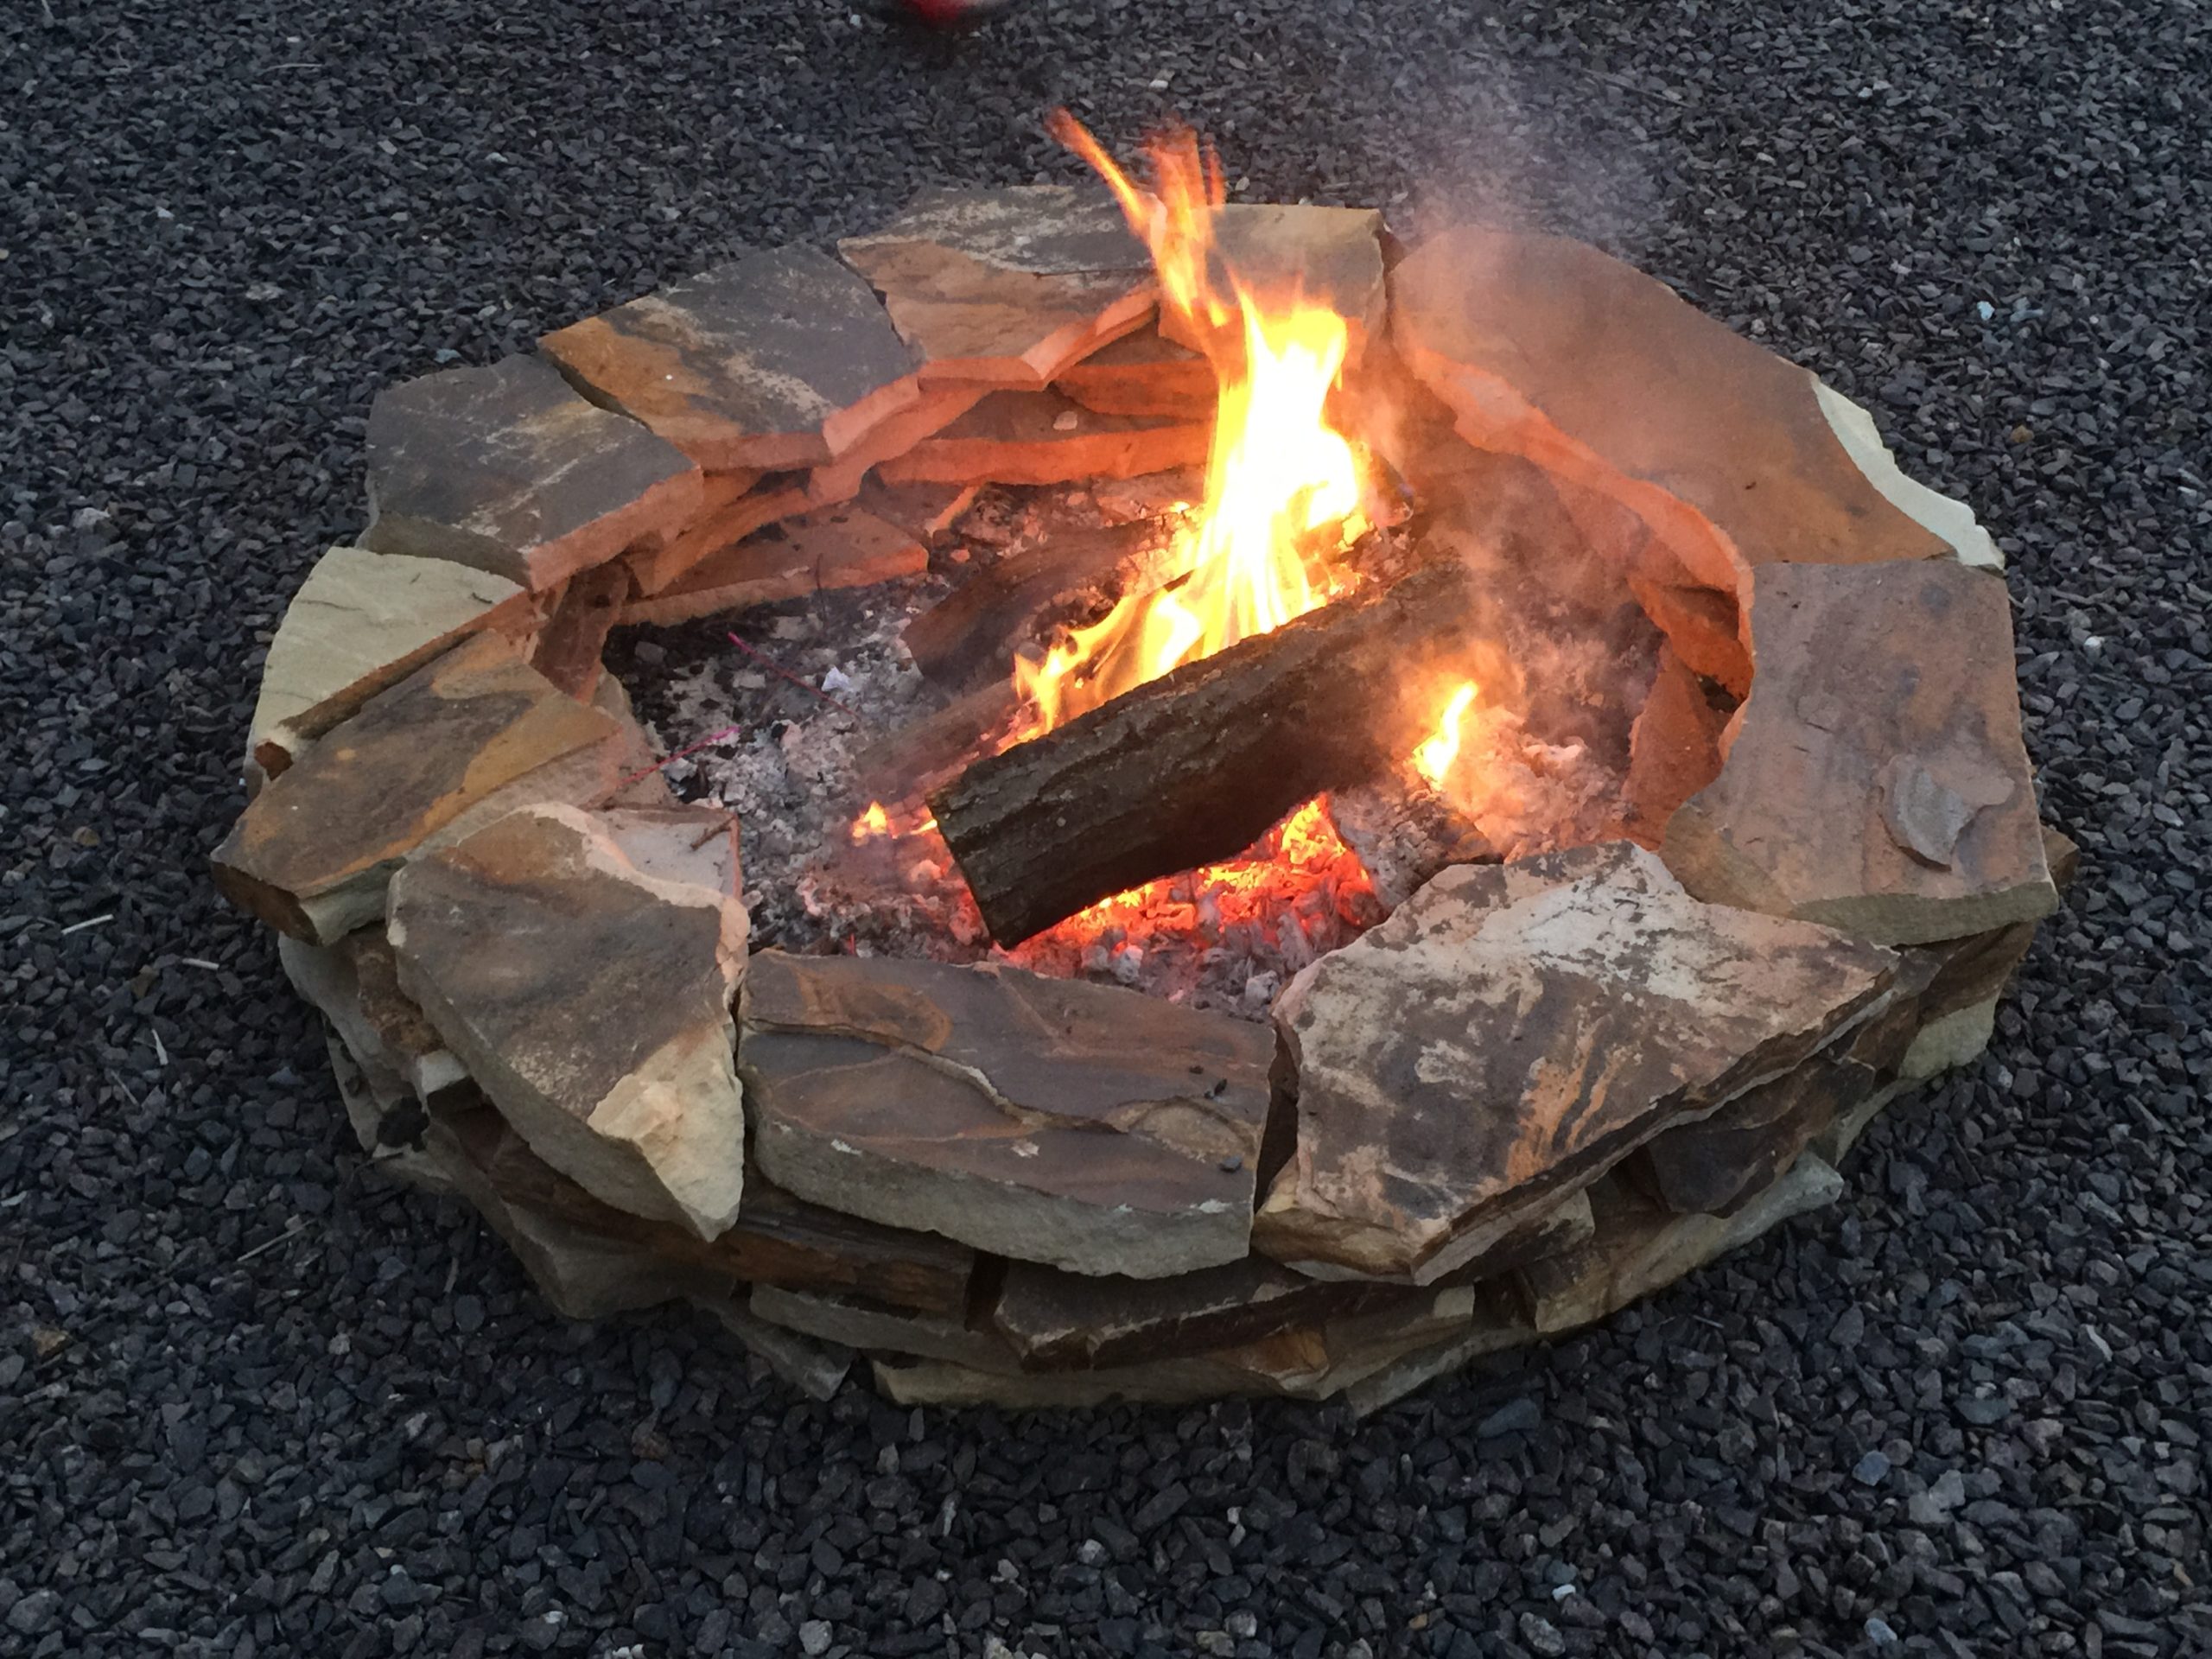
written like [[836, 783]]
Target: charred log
[[1193, 766], [1404, 831]]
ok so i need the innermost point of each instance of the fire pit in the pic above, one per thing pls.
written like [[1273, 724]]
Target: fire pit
[[1237, 807]]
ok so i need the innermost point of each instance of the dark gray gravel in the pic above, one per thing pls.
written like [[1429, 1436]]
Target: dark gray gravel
[[252, 1403]]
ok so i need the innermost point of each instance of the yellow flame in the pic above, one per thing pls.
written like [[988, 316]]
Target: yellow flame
[[1433, 758], [871, 824], [1277, 474]]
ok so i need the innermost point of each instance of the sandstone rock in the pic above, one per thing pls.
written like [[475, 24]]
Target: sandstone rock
[[1329, 256], [1674, 749], [1548, 348], [469, 737], [1007, 288], [1639, 1250], [853, 1322], [584, 612], [683, 843], [815, 1368], [1513, 1031], [837, 547], [591, 1002], [1077, 1125], [1143, 373], [1496, 1328], [355, 984], [1042, 437], [775, 496], [935, 409], [777, 1239], [386, 1119], [1056, 1320], [773, 360], [507, 470], [1716, 1165], [363, 621], [1876, 781]]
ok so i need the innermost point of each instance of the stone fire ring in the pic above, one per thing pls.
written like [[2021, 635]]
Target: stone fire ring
[[1536, 1092]]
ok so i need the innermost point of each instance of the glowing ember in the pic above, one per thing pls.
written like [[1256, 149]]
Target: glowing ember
[[1433, 758], [1262, 888], [1277, 477]]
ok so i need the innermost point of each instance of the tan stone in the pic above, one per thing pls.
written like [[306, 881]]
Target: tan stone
[[1007, 288], [1042, 437], [853, 1322], [1143, 373], [469, 737], [774, 360], [1674, 749], [1548, 348], [837, 546], [1078, 1125], [355, 984], [507, 470], [592, 1004], [1876, 781], [360, 622], [776, 496], [815, 1368], [1512, 1031], [844, 478]]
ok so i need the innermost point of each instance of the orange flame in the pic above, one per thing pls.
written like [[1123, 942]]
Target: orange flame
[[871, 823], [1278, 474], [1433, 758]]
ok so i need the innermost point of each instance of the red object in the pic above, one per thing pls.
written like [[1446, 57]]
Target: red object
[[950, 14]]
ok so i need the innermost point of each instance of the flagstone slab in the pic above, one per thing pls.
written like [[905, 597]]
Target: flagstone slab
[[835, 547], [1876, 781], [776, 496], [1512, 1031], [1045, 437], [1081, 1126], [355, 983], [507, 469], [857, 1322], [592, 1003], [1674, 749], [1143, 373], [363, 621], [1548, 348], [1007, 288], [773, 360], [473, 734]]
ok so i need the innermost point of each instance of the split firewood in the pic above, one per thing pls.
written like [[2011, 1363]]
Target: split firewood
[[1405, 831], [970, 638], [1193, 766]]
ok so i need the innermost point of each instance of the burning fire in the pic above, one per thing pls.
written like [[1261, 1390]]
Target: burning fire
[[1278, 475], [1433, 758], [871, 824]]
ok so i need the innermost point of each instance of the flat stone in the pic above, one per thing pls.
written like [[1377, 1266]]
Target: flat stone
[[592, 1004], [1716, 1165], [507, 470], [774, 360], [1080, 1126], [387, 1120], [1144, 373], [583, 612], [682, 843], [1497, 1327], [1547, 347], [1055, 1321], [1674, 749], [1876, 781], [815, 1368], [936, 408], [1043, 437], [1511, 1032], [355, 984], [363, 621], [1639, 1248], [776, 1240], [837, 546], [777, 496], [854, 1322], [1008, 287], [470, 736], [1327, 256]]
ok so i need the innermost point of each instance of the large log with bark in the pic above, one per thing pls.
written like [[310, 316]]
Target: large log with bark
[[1195, 766]]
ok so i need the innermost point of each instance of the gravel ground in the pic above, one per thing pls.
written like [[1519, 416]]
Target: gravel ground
[[251, 1401]]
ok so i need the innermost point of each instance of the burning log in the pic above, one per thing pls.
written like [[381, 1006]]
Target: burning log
[[1405, 831], [1194, 765]]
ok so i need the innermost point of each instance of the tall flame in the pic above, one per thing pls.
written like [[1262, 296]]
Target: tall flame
[[1277, 474]]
